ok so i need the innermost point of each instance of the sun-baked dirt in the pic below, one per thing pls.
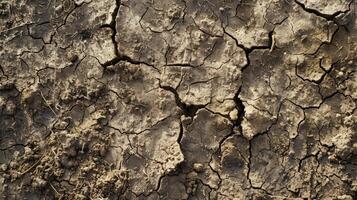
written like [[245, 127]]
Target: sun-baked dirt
[[178, 99]]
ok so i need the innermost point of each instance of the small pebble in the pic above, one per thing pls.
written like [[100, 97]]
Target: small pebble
[[233, 114], [28, 150], [198, 167], [3, 167], [58, 8]]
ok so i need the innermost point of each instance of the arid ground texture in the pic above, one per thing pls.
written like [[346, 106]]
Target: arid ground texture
[[178, 99]]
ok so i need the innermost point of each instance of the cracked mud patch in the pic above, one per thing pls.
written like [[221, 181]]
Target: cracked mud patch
[[178, 99]]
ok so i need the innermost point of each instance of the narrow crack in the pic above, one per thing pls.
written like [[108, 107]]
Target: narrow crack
[[118, 56], [112, 26], [262, 182], [180, 136], [306, 157], [241, 110], [247, 50], [250, 147], [188, 110], [249, 162], [127, 59], [328, 17]]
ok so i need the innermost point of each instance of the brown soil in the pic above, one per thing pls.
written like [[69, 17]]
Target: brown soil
[[178, 99]]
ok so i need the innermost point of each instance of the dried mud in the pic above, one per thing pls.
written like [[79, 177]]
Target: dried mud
[[178, 99]]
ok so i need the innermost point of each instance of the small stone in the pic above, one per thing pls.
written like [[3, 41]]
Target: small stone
[[233, 114], [3, 167], [198, 167], [340, 73], [332, 158], [59, 8], [79, 2], [28, 151]]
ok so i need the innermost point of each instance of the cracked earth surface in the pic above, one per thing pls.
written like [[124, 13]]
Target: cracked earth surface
[[178, 99]]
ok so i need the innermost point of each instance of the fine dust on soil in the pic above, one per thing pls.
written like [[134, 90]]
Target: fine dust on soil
[[178, 99]]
